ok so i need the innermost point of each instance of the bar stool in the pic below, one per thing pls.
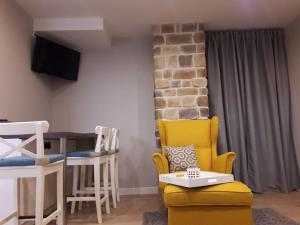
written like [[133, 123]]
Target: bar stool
[[96, 157], [30, 164]]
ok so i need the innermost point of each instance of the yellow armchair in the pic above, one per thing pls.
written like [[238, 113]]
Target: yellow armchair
[[203, 134], [223, 204]]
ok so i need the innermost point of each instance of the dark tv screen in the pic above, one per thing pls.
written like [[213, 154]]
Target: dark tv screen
[[54, 59]]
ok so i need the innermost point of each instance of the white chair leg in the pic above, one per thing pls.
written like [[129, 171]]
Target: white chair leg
[[117, 177], [82, 183], [39, 201], [75, 186], [60, 196], [106, 188], [112, 179], [97, 191]]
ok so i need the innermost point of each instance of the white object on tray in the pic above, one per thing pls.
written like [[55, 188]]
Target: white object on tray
[[205, 179], [193, 173]]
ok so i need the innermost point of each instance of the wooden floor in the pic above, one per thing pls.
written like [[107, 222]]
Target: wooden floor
[[131, 208]]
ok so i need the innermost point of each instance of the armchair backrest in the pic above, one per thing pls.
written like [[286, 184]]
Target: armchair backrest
[[35, 128], [201, 133]]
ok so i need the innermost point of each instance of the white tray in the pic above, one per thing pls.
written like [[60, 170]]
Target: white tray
[[206, 179]]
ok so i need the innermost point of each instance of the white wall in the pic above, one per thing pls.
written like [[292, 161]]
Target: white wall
[[115, 88], [24, 95], [293, 54]]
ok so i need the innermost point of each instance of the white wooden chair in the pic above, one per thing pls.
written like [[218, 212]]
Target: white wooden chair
[[113, 159], [31, 164], [114, 166], [96, 157]]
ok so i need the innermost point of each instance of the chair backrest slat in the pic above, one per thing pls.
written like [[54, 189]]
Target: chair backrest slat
[[36, 128], [103, 138], [19, 128], [115, 139]]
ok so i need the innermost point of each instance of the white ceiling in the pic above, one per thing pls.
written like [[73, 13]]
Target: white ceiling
[[127, 18]]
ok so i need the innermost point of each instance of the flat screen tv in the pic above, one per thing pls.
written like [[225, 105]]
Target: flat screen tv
[[54, 59]]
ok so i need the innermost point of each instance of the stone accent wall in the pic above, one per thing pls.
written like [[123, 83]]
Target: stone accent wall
[[180, 71]]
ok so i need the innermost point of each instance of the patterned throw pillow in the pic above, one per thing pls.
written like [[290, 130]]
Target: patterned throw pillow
[[181, 158]]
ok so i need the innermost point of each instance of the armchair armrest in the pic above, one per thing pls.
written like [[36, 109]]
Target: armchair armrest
[[224, 163], [162, 165]]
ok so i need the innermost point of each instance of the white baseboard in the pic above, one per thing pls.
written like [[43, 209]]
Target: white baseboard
[[139, 191]]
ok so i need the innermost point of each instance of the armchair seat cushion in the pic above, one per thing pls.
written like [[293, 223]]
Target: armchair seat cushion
[[87, 153], [235, 193], [30, 161]]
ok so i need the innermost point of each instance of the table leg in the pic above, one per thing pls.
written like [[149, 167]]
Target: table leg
[[63, 150]]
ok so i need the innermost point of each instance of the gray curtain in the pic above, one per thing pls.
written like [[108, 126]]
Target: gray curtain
[[249, 90]]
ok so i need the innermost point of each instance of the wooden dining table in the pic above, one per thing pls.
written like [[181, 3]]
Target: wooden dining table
[[63, 137]]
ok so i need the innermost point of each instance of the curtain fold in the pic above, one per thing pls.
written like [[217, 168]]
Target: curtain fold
[[249, 91]]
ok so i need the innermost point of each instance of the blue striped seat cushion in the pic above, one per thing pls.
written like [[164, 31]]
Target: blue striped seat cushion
[[87, 153], [30, 161]]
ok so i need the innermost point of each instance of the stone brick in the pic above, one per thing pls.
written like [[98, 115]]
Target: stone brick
[[184, 74], [187, 91], [167, 28], [173, 102], [158, 74], [186, 83], [171, 61], [156, 29], [158, 40], [199, 60], [199, 37], [170, 92], [189, 113], [171, 114], [188, 101], [158, 114], [202, 101], [159, 62], [160, 103], [188, 48], [167, 74], [185, 60], [201, 48], [160, 84], [203, 91], [158, 93], [200, 82], [179, 38], [176, 83], [171, 50], [200, 27], [204, 112], [157, 51], [201, 72], [177, 28], [189, 27]]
